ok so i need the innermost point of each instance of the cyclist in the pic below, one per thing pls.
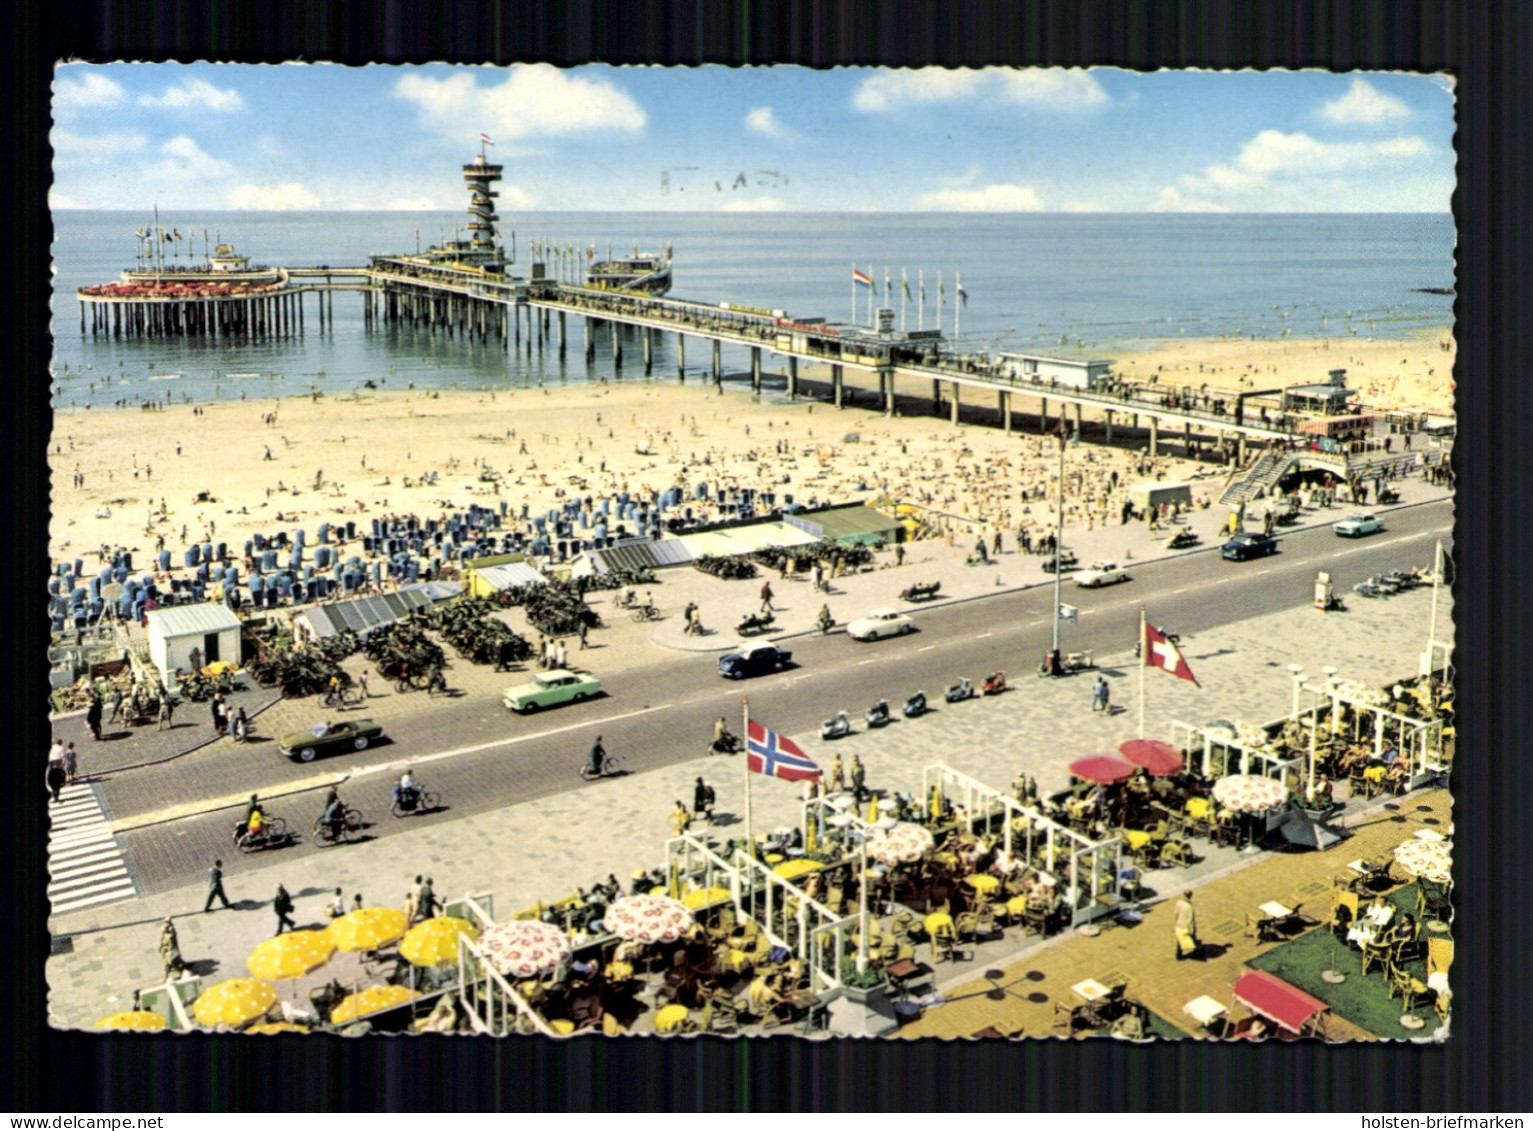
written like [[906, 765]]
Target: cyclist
[[335, 818], [595, 758], [404, 791]]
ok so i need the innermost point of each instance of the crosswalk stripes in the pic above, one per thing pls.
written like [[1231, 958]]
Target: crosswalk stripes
[[85, 864]]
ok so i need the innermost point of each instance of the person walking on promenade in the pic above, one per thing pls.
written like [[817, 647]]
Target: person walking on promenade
[[859, 775], [362, 685], [413, 900], [170, 950], [241, 725], [56, 777], [560, 656], [57, 750], [217, 708], [93, 717], [584, 628], [679, 819], [282, 904], [167, 709], [899, 554], [1099, 695], [216, 886], [1186, 928], [336, 907], [115, 702], [766, 597], [429, 905], [71, 764], [702, 801], [837, 777]]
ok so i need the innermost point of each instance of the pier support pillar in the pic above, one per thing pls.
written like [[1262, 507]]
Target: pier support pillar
[[1043, 415], [590, 332], [836, 383], [1187, 438], [617, 346], [718, 363], [1005, 406], [649, 348], [1154, 437], [1109, 426], [792, 377], [561, 333], [954, 385], [1241, 455], [886, 383], [936, 395], [756, 369], [1078, 426], [681, 355]]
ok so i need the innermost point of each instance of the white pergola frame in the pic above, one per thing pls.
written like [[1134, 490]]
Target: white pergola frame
[[1420, 740]]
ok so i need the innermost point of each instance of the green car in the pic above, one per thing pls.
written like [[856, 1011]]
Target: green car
[[329, 738], [549, 689]]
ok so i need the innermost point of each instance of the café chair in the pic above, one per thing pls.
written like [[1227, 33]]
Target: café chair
[[1064, 1017], [945, 943], [1261, 927], [1343, 912], [1358, 782], [1378, 951], [1199, 818], [1434, 900], [1175, 853], [1141, 846], [1407, 985], [1035, 917]]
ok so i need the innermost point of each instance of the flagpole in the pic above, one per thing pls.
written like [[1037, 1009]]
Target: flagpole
[[921, 309], [939, 301], [1144, 660], [904, 294], [750, 843], [1437, 573], [854, 294], [872, 295], [957, 306]]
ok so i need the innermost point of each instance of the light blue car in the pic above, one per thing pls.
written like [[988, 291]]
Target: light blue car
[[1357, 525]]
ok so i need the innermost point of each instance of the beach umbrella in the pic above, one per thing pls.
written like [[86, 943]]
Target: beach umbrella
[[140, 1019], [1249, 793], [1161, 759], [705, 896], [290, 955], [525, 948], [905, 843], [1102, 768], [648, 918], [1427, 859], [367, 928], [371, 1000], [435, 941], [798, 866], [234, 1002], [276, 1027]]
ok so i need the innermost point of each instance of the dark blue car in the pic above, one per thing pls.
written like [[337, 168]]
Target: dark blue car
[[1244, 547], [755, 660]]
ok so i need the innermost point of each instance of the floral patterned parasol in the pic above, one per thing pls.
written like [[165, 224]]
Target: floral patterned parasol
[[648, 918], [903, 844], [525, 948], [1427, 859], [1249, 793]]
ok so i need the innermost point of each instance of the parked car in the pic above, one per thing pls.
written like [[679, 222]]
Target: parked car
[[1357, 525], [549, 689], [329, 738], [1244, 547], [753, 659], [1100, 573], [880, 622]]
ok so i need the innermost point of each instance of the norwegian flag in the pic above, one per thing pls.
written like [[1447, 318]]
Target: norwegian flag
[[1161, 653], [768, 752]]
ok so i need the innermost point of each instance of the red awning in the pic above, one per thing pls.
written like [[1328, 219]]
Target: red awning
[[1103, 768], [1286, 1005], [1160, 758]]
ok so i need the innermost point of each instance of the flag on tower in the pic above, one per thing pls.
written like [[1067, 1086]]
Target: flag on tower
[[1161, 653], [768, 752], [860, 276], [484, 137]]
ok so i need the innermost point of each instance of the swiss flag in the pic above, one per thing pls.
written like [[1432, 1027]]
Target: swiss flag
[[1161, 653]]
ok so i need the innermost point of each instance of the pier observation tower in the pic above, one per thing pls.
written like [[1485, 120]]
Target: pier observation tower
[[482, 217]]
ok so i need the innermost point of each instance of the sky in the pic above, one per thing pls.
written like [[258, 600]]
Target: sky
[[596, 138]]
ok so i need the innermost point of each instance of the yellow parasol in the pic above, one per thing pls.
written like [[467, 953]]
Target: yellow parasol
[[291, 955], [435, 941], [371, 1000], [219, 667], [133, 1019], [367, 928], [705, 896], [798, 866], [277, 1027], [234, 1002]]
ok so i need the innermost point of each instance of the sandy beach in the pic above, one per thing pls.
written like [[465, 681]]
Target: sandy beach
[[125, 477]]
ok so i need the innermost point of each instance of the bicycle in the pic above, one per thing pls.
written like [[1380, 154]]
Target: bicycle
[[342, 697], [644, 613], [409, 683], [351, 821], [611, 766], [273, 836], [425, 802]]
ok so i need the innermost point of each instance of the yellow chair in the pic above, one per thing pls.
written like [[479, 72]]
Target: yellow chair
[[1409, 987], [562, 1027], [670, 1019], [1342, 901], [1200, 815], [1016, 907], [1141, 846]]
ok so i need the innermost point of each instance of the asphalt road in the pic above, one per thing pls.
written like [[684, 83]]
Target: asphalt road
[[479, 757]]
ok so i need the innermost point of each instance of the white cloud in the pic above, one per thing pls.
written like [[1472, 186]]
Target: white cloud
[[195, 94], [186, 160], [534, 100], [990, 198], [1278, 166], [1170, 200], [1363, 105], [68, 145], [89, 90], [413, 204], [272, 198], [1040, 88], [755, 204], [58, 201], [764, 120]]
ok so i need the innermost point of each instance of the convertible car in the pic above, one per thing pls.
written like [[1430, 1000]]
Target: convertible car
[[329, 738]]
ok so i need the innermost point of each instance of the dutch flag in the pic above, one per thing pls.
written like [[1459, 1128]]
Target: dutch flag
[[861, 277], [768, 752], [486, 139]]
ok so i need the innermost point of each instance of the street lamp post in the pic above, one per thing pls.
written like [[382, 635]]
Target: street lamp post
[[1059, 533]]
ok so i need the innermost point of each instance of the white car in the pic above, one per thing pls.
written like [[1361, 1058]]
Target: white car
[[880, 622], [1099, 574], [1356, 525]]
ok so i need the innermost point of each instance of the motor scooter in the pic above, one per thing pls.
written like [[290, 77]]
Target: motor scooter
[[959, 691], [836, 727], [915, 706], [995, 684], [878, 714], [729, 744]]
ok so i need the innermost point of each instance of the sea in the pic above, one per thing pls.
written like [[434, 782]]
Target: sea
[[1074, 285]]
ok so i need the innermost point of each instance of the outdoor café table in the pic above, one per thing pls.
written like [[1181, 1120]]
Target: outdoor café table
[[1285, 1005], [1205, 1011], [983, 883], [1095, 995], [1275, 909], [1429, 834], [935, 920], [670, 1018]]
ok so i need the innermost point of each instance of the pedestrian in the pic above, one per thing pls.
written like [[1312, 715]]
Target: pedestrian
[[679, 819], [93, 716], [282, 904], [766, 596], [70, 764], [429, 905], [115, 702], [217, 707], [837, 774], [56, 777], [233, 727], [1099, 695], [413, 900], [899, 554], [241, 725], [859, 775], [559, 654], [1186, 928], [997, 543], [362, 685], [170, 949], [196, 659], [356, 902], [216, 886], [165, 712], [702, 801], [337, 906], [583, 629]]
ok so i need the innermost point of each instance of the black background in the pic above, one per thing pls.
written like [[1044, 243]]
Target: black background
[[1484, 1066]]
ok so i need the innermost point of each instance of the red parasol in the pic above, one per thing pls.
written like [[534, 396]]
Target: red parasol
[[1103, 768], [1160, 758]]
